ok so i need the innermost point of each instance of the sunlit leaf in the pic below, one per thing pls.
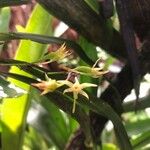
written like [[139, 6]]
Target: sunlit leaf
[[109, 146], [4, 23], [17, 108]]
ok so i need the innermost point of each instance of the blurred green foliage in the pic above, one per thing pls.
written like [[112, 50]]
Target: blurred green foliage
[[30, 121]]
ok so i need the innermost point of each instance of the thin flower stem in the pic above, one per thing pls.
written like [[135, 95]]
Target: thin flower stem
[[74, 106]]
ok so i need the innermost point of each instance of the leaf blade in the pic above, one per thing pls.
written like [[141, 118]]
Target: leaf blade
[[18, 108]]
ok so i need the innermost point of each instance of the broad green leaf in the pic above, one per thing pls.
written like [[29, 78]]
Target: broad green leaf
[[4, 21], [5, 3], [15, 110], [109, 146]]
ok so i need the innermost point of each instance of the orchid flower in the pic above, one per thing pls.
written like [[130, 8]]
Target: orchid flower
[[50, 85], [77, 88], [57, 55], [93, 71]]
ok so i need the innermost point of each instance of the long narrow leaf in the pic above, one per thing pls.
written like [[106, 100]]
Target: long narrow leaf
[[140, 126], [5, 3], [33, 69], [142, 104], [47, 40], [105, 110], [93, 4], [141, 140], [99, 107]]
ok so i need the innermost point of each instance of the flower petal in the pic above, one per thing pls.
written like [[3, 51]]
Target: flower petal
[[45, 92], [84, 94], [85, 85], [68, 90], [97, 69], [40, 85], [47, 78]]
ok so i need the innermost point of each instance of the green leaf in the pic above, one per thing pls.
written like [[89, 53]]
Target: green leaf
[[109, 146], [97, 106], [22, 78], [142, 104], [31, 138], [32, 69], [141, 140], [67, 106], [93, 4], [134, 128], [17, 108], [105, 110], [5, 3], [4, 23], [52, 124], [47, 40], [91, 52], [64, 102]]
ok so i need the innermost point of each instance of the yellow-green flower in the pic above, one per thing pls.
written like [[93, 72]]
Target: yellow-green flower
[[77, 88], [90, 71], [50, 85], [57, 55], [93, 71]]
